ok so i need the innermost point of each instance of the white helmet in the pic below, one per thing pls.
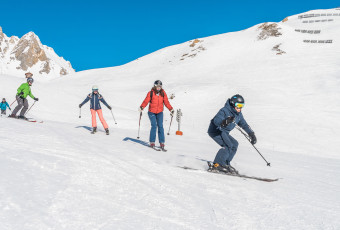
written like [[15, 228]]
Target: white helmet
[[95, 88]]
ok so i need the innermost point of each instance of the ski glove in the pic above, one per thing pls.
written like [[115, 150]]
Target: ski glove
[[253, 139], [227, 121], [109, 107], [140, 109], [36, 99], [80, 105], [172, 112]]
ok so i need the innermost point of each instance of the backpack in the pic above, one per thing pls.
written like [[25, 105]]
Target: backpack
[[151, 93]]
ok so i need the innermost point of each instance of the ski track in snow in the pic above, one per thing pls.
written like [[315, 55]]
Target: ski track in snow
[[119, 184]]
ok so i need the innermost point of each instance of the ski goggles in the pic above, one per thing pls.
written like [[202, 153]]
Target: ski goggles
[[239, 105]]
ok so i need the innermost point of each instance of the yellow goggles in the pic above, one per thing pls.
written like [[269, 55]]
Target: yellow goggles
[[239, 105]]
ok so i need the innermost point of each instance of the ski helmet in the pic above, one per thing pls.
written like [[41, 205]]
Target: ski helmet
[[30, 80], [95, 88], [158, 83], [29, 74], [237, 101]]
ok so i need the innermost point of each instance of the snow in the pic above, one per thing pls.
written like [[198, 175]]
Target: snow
[[55, 175]]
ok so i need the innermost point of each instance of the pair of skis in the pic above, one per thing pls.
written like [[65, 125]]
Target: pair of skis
[[157, 148], [212, 170], [94, 132], [27, 119]]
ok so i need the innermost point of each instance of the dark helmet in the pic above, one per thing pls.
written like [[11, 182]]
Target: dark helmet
[[158, 83], [236, 99], [30, 80]]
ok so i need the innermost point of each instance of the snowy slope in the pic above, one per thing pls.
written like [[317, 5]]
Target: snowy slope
[[58, 176]]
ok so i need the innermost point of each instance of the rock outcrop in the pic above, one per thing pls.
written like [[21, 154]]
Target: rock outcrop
[[269, 30], [29, 54]]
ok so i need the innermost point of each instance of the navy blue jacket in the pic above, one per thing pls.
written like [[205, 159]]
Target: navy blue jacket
[[227, 111], [94, 101]]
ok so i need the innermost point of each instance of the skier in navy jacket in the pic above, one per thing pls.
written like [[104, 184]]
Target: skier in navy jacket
[[220, 127]]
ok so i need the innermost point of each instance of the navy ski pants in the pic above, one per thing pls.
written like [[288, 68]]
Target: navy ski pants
[[229, 147]]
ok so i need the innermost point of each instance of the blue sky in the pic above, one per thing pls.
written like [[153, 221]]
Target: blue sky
[[97, 34]]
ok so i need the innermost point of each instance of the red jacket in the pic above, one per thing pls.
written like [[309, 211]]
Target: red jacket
[[156, 105]]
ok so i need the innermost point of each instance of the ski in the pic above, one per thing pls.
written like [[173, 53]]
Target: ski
[[33, 120], [27, 119], [238, 175], [210, 170], [155, 148]]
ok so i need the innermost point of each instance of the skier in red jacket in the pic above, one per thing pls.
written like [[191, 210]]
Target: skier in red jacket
[[157, 99]]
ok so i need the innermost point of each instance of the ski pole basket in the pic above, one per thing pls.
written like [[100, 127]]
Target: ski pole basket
[[178, 119]]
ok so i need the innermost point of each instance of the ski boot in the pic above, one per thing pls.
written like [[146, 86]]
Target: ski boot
[[12, 116], [216, 167], [22, 117], [107, 132], [153, 146], [94, 130], [163, 147]]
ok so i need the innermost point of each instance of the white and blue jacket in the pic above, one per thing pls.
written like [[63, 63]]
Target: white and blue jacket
[[94, 101]]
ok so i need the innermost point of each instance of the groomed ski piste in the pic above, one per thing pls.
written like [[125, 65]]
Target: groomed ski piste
[[56, 175]]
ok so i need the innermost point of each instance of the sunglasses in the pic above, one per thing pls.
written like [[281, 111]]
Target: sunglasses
[[239, 105]]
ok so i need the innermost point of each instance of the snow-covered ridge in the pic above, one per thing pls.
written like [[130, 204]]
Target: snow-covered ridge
[[18, 56]]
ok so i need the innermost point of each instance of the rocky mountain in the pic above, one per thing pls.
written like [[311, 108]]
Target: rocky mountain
[[20, 55]]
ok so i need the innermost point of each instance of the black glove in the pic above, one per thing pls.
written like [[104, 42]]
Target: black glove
[[80, 105], [22, 93], [109, 107], [172, 112], [36, 99], [227, 121], [253, 139]]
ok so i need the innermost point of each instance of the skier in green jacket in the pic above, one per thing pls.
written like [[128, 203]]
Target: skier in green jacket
[[23, 91]]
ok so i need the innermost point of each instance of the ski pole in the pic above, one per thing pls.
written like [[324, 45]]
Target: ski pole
[[30, 108], [13, 102], [248, 138], [170, 125], [79, 112], [140, 117], [113, 116]]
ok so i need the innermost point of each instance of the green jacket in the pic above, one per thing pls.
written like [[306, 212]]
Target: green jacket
[[26, 89]]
